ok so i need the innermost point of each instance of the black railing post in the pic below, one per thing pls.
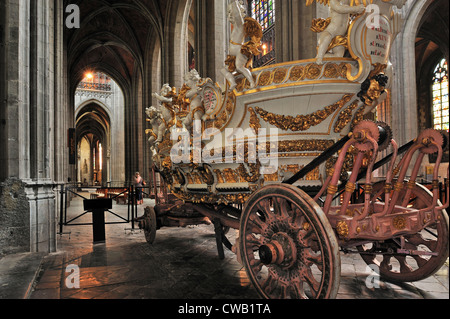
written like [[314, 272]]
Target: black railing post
[[65, 203], [61, 210], [129, 202], [133, 202]]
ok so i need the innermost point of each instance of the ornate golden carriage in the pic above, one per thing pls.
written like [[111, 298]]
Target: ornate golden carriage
[[281, 158]]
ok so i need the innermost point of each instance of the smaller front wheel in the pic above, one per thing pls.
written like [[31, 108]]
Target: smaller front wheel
[[148, 224], [287, 245]]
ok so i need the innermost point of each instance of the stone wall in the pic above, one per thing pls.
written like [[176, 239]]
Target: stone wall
[[14, 218]]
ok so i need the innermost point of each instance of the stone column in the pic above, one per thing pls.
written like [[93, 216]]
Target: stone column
[[294, 39], [404, 90], [27, 197], [211, 29]]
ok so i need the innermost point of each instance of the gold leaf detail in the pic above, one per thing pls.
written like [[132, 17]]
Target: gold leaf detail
[[279, 76], [302, 122], [345, 117], [297, 73]]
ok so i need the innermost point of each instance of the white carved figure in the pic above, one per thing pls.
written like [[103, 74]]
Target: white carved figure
[[166, 97], [196, 109], [237, 49], [158, 127], [340, 11]]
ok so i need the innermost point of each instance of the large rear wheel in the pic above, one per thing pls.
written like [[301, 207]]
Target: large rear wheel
[[429, 248], [287, 245]]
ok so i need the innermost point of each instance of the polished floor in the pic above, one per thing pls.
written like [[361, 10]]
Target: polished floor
[[182, 264]]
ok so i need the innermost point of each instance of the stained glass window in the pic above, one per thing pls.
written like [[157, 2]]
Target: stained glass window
[[440, 97], [263, 11]]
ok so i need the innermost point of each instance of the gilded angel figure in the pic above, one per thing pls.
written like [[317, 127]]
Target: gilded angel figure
[[332, 39], [240, 56]]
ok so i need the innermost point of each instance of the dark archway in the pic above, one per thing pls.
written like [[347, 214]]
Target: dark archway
[[93, 127]]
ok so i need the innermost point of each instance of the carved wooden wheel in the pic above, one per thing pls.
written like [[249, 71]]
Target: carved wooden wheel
[[148, 224], [287, 245], [433, 239]]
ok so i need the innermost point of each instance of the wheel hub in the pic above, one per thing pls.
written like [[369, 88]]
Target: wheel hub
[[280, 251], [143, 224]]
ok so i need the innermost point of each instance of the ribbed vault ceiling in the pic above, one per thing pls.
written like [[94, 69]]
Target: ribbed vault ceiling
[[113, 37], [432, 39]]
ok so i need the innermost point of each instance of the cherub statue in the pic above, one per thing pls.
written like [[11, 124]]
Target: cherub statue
[[240, 56], [158, 127], [167, 96], [334, 29], [193, 93]]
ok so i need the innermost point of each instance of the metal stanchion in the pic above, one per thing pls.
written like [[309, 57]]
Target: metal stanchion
[[63, 211]]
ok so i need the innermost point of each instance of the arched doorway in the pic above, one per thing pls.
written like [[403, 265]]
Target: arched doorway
[[93, 126], [99, 116]]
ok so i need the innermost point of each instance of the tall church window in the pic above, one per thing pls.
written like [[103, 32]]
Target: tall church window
[[263, 11], [440, 115]]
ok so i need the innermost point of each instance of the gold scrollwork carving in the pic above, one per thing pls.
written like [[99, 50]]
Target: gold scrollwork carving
[[279, 75], [266, 78], [304, 145], [313, 71], [206, 175], [219, 175], [297, 73], [331, 71], [230, 176], [310, 71], [254, 120], [302, 122], [271, 177], [251, 177], [342, 229], [319, 25], [359, 116], [334, 71], [399, 222], [345, 117]]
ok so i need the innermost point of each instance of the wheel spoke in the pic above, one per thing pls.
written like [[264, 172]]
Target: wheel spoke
[[404, 266], [264, 209], [256, 266], [312, 283], [269, 284], [417, 240], [385, 263], [254, 242], [258, 224], [420, 260], [280, 208], [297, 289], [314, 258]]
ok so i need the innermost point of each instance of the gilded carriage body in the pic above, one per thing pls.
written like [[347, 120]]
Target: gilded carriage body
[[310, 106]]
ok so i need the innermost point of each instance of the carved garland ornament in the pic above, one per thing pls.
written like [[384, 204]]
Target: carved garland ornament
[[254, 121], [345, 117], [302, 122]]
